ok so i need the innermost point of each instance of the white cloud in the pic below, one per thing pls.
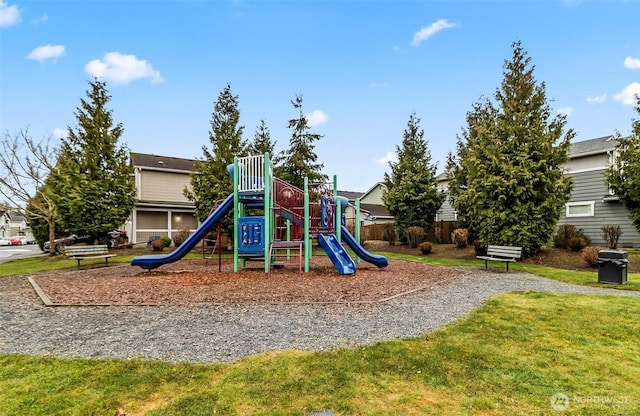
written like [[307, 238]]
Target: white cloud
[[632, 63], [46, 52], [9, 15], [316, 117], [628, 93], [384, 160], [597, 99], [122, 69], [567, 111], [428, 31], [59, 133]]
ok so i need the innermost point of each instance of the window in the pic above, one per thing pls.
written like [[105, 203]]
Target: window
[[580, 209]]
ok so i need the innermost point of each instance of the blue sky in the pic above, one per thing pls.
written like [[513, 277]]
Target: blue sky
[[361, 66]]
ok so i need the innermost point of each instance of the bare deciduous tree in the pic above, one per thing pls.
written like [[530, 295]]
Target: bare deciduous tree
[[25, 165]]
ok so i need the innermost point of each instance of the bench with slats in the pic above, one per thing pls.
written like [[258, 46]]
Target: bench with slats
[[505, 254], [80, 253]]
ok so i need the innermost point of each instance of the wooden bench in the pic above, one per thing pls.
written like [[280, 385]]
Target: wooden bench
[[80, 253], [504, 254]]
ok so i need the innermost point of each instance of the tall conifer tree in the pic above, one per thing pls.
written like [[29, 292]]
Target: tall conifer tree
[[507, 182], [92, 182], [624, 175], [210, 181], [300, 159], [412, 196]]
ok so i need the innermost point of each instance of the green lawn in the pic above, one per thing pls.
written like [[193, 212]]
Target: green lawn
[[510, 356]]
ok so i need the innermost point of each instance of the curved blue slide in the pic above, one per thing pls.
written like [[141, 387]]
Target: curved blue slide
[[153, 261], [376, 260], [341, 260]]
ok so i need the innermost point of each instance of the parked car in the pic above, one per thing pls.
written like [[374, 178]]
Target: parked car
[[5, 241], [15, 241], [61, 243], [29, 240]]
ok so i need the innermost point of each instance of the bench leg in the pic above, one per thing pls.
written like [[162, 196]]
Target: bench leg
[[78, 264], [507, 265], [485, 264]]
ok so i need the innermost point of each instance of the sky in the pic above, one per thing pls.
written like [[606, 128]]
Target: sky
[[362, 68]]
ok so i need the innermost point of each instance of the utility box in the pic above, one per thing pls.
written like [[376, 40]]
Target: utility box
[[612, 266]]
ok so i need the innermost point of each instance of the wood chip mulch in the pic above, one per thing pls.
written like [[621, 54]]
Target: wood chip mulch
[[200, 282]]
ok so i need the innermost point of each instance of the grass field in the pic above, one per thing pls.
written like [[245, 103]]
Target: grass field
[[510, 356], [520, 354]]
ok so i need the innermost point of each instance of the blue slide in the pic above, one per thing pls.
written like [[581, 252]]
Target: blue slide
[[376, 260], [338, 255], [153, 261]]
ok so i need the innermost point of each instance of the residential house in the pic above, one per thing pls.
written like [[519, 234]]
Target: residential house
[[5, 221], [161, 209], [591, 204], [17, 225], [371, 201]]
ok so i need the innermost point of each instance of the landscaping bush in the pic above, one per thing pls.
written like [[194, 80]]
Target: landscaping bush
[[158, 245], [479, 248], [577, 243], [565, 232], [611, 235], [425, 247], [180, 236], [390, 234], [165, 240], [415, 235], [590, 255], [459, 237]]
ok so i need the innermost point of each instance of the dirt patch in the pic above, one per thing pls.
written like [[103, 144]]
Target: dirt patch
[[196, 281]]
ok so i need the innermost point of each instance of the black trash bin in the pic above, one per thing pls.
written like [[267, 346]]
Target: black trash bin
[[612, 266]]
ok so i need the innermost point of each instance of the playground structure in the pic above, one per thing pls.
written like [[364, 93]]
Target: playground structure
[[271, 215]]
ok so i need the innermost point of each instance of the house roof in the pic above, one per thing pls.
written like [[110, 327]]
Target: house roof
[[162, 162], [378, 211], [592, 146], [350, 195], [378, 184]]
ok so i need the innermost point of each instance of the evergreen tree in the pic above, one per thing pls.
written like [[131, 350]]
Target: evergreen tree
[[262, 143], [94, 193], [300, 160], [210, 181], [411, 195], [507, 182], [624, 175]]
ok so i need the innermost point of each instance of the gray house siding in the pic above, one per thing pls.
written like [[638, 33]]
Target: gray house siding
[[591, 187], [446, 211]]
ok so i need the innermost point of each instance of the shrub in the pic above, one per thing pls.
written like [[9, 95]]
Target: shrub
[[390, 234], [590, 255], [563, 234], [577, 243], [157, 245], [415, 235], [180, 236], [611, 235], [459, 237], [425, 247], [165, 240], [479, 248]]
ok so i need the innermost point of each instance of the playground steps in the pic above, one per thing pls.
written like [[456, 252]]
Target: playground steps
[[276, 246]]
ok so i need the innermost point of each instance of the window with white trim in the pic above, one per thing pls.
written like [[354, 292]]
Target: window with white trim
[[580, 209]]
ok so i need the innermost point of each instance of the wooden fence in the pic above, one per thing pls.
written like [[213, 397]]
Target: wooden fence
[[440, 232]]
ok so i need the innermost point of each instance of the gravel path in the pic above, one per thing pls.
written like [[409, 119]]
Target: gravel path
[[225, 333]]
